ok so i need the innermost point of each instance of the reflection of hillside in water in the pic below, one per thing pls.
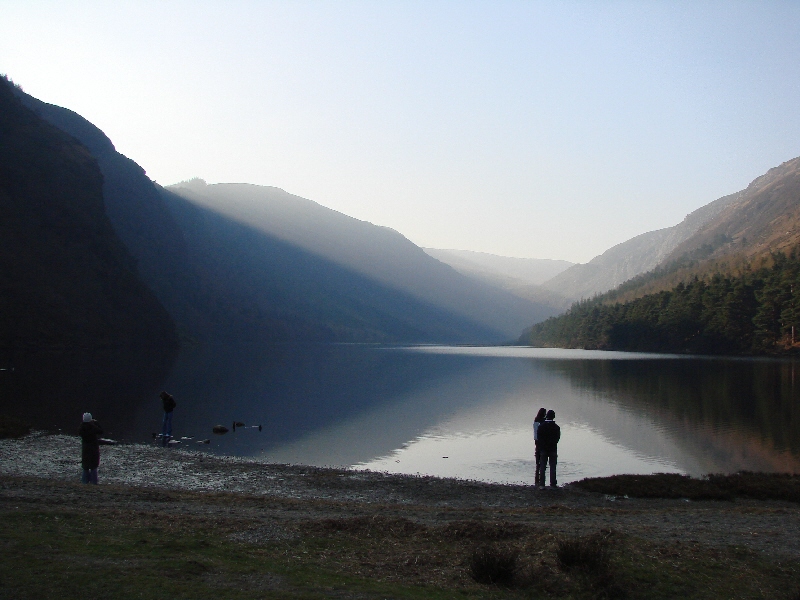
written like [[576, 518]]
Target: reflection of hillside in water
[[292, 390], [731, 414], [51, 390]]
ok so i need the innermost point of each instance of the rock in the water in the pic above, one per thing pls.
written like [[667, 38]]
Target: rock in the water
[[219, 429]]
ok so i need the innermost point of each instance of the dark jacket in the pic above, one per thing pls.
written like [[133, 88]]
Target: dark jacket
[[169, 403], [549, 433], [90, 448]]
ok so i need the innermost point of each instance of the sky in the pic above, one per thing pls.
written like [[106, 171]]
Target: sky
[[528, 129]]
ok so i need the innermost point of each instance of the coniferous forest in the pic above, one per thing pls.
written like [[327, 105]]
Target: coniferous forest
[[755, 312]]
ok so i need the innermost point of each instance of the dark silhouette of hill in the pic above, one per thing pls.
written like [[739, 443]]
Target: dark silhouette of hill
[[79, 329], [377, 254], [222, 275], [138, 215], [68, 281]]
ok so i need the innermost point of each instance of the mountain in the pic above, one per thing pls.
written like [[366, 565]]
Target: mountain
[[67, 278], [290, 270], [79, 330], [502, 270], [257, 286], [633, 257], [138, 215], [520, 276], [762, 219], [376, 254], [732, 287]]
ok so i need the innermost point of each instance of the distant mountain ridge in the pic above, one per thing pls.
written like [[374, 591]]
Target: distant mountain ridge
[[522, 277]]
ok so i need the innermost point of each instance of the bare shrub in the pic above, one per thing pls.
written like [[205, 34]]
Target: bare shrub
[[494, 565], [589, 553]]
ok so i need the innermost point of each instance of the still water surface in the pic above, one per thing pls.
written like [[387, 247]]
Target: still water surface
[[467, 411]]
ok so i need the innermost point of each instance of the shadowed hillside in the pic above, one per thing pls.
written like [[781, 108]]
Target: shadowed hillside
[[373, 253], [220, 276], [258, 286], [67, 279], [77, 322]]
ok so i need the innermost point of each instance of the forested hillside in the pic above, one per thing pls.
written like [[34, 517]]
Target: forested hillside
[[754, 312]]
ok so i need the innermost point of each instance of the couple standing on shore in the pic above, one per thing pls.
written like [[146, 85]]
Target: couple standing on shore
[[546, 435]]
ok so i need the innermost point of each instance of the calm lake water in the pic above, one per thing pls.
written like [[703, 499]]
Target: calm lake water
[[467, 411]]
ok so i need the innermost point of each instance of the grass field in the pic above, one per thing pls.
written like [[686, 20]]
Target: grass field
[[67, 541]]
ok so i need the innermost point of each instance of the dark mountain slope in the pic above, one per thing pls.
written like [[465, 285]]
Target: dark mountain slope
[[138, 215], [78, 329], [377, 253], [67, 278]]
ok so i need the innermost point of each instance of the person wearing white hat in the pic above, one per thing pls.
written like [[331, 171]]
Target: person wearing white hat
[[90, 448]]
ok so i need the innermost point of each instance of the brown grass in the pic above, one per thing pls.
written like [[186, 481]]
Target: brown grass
[[758, 486]]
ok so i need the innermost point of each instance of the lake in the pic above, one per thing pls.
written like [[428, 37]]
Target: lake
[[458, 411], [467, 411]]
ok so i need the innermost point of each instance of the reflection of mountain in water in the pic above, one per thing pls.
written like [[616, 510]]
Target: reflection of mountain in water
[[730, 414], [63, 385], [290, 389]]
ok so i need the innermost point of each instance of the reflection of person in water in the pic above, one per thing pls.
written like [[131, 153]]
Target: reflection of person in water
[[90, 448], [536, 422], [166, 426]]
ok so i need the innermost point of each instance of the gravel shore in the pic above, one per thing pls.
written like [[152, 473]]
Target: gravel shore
[[46, 468]]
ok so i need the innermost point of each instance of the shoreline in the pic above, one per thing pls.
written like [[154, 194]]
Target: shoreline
[[252, 529], [568, 509]]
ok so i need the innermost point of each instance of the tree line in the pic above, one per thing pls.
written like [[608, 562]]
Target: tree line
[[755, 312]]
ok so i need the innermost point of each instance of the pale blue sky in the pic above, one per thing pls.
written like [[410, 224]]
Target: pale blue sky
[[531, 129]]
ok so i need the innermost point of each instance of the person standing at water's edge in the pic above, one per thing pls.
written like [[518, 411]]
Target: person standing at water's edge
[[90, 448], [166, 426], [536, 422], [549, 436]]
